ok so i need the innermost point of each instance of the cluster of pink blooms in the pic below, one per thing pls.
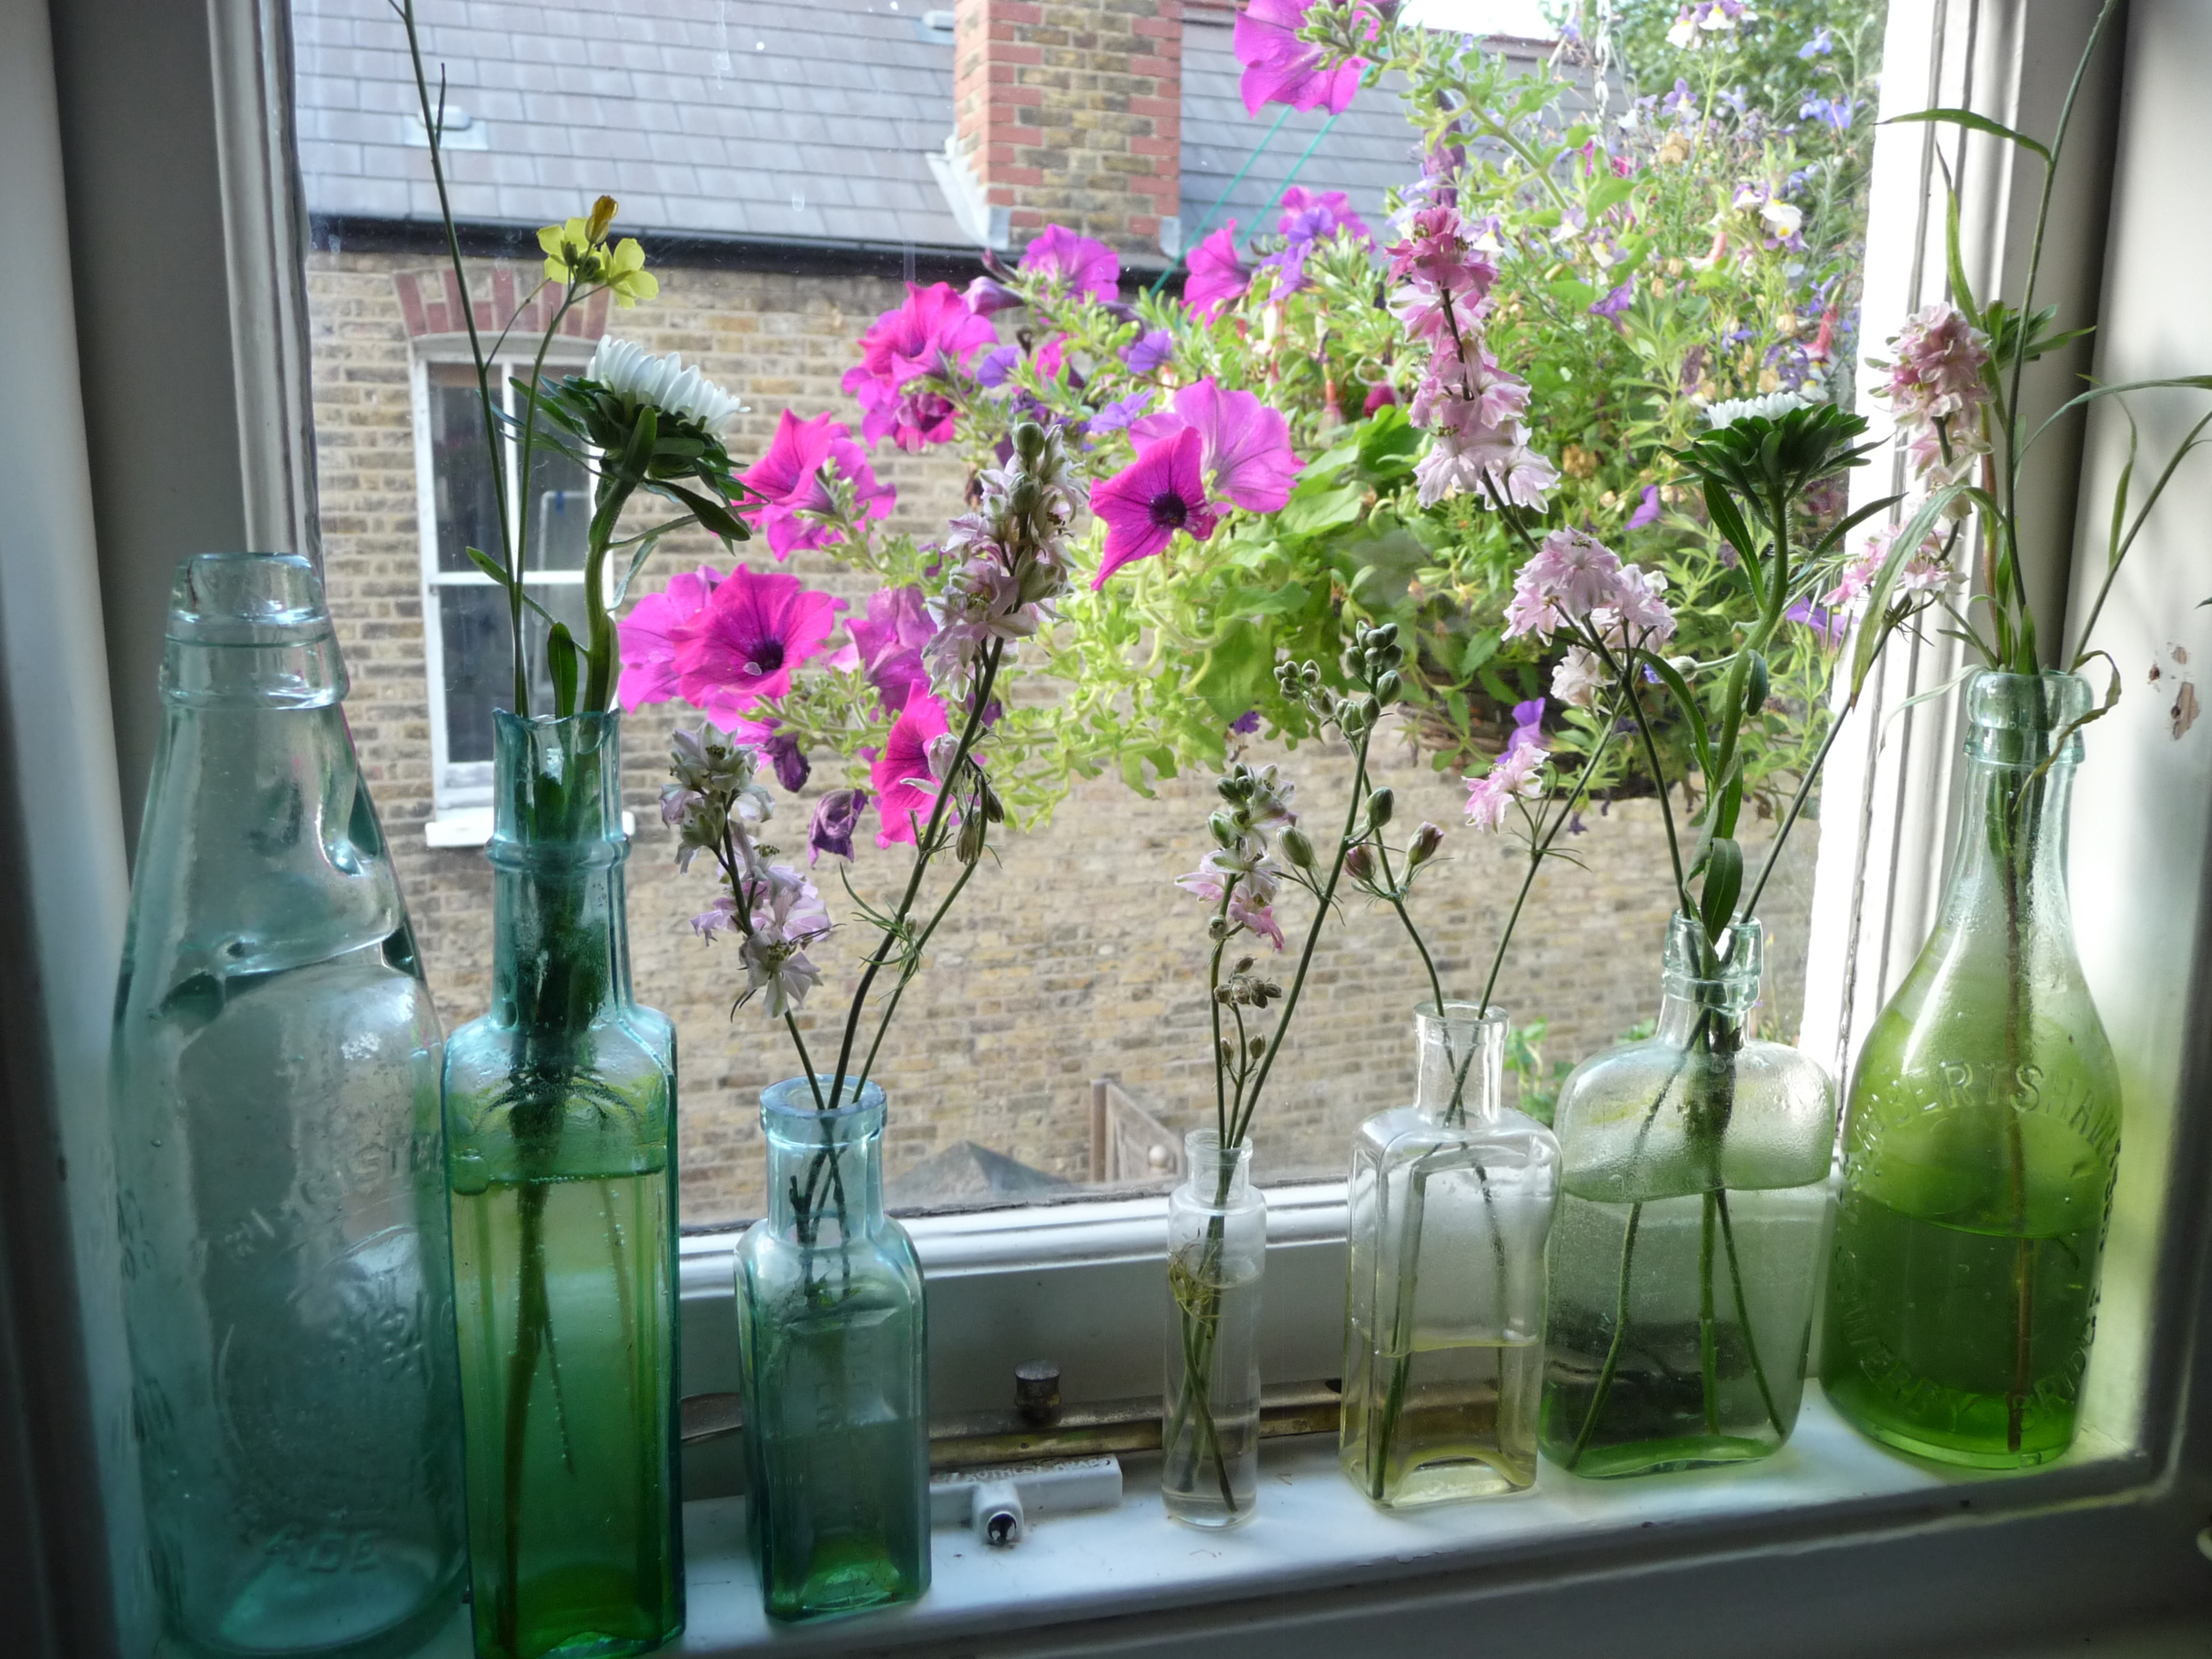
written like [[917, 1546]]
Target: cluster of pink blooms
[[1242, 863], [911, 361], [1209, 448], [727, 645], [1926, 572], [1218, 277], [1280, 68], [799, 507], [1471, 407], [1515, 775], [1576, 584], [1936, 393]]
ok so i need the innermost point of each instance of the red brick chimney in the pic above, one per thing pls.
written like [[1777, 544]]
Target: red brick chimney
[[1070, 111]]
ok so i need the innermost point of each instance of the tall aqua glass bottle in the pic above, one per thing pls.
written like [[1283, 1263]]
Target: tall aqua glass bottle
[[1983, 1130], [285, 1271], [836, 1346], [561, 1150]]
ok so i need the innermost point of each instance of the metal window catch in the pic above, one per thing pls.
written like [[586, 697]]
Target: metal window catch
[[998, 1504]]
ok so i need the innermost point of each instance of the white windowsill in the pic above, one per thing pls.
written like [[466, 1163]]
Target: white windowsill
[[1313, 1531], [471, 827]]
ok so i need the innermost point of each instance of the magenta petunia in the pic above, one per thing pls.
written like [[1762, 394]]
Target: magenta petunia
[[1076, 265], [1246, 446], [906, 792], [789, 476], [742, 646], [1280, 68], [1144, 504], [646, 637], [889, 640], [908, 360], [1218, 277]]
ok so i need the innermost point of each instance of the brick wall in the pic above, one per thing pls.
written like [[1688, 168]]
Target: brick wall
[[1072, 959], [1070, 111]]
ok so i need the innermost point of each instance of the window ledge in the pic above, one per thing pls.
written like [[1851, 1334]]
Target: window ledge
[[1314, 1532], [471, 827]]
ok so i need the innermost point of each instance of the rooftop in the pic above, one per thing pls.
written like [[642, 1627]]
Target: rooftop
[[759, 122]]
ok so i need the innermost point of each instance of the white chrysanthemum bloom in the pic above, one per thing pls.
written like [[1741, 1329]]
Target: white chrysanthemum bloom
[[629, 370], [1773, 406]]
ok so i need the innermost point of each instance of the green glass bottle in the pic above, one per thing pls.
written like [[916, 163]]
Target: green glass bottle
[[835, 1348], [561, 1156], [286, 1287], [1983, 1130]]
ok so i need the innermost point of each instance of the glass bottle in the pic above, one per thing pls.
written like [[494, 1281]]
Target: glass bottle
[[1983, 1130], [285, 1279], [1450, 1200], [1695, 1200], [1217, 1257], [834, 1341], [561, 1154]]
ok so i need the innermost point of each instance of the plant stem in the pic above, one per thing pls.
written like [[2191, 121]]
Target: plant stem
[[1611, 1368], [913, 966], [1707, 1346], [1743, 1312], [1537, 854]]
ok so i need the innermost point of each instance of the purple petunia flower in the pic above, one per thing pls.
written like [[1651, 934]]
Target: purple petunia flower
[[742, 646], [788, 758], [1528, 724], [1147, 352], [1647, 509], [1078, 264], [1217, 275], [1143, 505], [1117, 416], [836, 815], [1246, 453], [796, 499], [1280, 68], [905, 786], [909, 360], [1308, 217], [1613, 304], [986, 295], [1246, 724]]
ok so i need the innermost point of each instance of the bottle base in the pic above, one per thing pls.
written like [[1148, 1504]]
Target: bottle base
[[1211, 1518], [864, 1582], [1457, 1480], [1664, 1457], [1988, 1451]]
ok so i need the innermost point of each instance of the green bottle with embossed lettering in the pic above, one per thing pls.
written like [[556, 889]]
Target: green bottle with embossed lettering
[[1983, 1131]]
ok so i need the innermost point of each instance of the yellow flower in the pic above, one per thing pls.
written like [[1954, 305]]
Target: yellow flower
[[625, 274], [568, 252]]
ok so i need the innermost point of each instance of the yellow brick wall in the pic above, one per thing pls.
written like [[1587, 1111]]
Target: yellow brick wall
[[1073, 959]]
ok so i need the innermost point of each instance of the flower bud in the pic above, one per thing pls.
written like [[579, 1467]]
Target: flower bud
[[603, 212], [1029, 442], [1426, 839], [1381, 805], [1359, 863], [1387, 686], [1224, 830], [1257, 1047], [970, 846], [1371, 712], [1244, 966], [1298, 847], [1385, 635]]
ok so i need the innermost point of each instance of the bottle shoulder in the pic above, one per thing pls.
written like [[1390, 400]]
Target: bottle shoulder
[[1507, 1137]]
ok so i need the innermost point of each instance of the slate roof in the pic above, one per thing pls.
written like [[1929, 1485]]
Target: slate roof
[[795, 122]]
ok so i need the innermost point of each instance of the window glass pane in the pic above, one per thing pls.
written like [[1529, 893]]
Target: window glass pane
[[785, 201], [462, 511], [473, 628]]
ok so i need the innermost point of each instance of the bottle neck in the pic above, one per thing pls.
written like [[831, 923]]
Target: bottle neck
[[824, 1168], [557, 850], [1217, 1177], [1708, 994], [2008, 863], [1459, 1075]]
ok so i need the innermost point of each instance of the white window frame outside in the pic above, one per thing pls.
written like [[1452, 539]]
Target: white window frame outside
[[462, 790]]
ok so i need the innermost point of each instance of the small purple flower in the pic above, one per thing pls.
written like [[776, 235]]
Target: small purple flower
[[1116, 417], [1832, 626], [789, 759], [1613, 304], [1148, 351], [1246, 724], [836, 815], [1835, 112], [1681, 103], [986, 295], [1822, 43], [997, 364], [1647, 509], [1528, 724]]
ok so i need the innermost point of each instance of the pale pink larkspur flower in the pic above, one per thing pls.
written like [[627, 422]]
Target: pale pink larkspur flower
[[1578, 678], [1515, 775]]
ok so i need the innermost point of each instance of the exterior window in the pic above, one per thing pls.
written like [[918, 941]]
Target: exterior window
[[470, 668]]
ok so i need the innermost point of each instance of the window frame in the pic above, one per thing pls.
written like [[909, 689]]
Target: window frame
[[156, 119], [461, 791]]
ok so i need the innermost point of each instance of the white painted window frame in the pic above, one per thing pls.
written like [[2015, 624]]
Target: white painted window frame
[[462, 790]]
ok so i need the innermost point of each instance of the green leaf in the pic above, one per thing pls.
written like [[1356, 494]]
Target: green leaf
[[1724, 882], [1722, 508], [1844, 526], [720, 519], [484, 562], [1608, 194], [1977, 123], [1962, 293], [1692, 715], [1574, 295], [1255, 602], [563, 662], [1311, 513], [1481, 649]]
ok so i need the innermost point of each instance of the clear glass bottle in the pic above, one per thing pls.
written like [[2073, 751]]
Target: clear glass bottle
[[1983, 1130], [1695, 1199], [1217, 1258], [1450, 1201], [835, 1345], [286, 1278], [561, 1153]]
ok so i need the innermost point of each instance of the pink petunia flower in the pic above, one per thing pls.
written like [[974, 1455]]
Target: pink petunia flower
[[1145, 503], [1216, 277], [906, 791], [646, 637], [1076, 265], [889, 640], [798, 499], [1280, 68], [909, 361], [742, 646], [1245, 454]]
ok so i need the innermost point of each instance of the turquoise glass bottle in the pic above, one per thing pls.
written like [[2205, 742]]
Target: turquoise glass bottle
[[1984, 1131], [283, 1224], [835, 1350], [561, 1153]]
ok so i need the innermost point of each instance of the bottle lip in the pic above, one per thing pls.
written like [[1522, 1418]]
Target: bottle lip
[[1997, 701], [1455, 1013], [1206, 1144], [250, 599], [589, 721], [791, 1103]]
